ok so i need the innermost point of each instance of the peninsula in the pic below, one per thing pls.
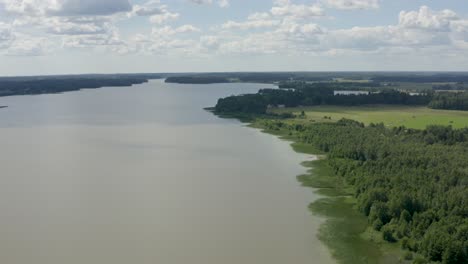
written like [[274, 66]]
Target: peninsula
[[393, 192]]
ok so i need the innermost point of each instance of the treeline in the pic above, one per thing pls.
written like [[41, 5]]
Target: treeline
[[57, 84], [450, 101], [411, 184], [422, 78], [299, 93], [270, 77], [259, 102], [255, 77], [302, 85], [450, 87], [197, 79]]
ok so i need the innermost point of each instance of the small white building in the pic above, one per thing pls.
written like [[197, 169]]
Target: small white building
[[351, 93]]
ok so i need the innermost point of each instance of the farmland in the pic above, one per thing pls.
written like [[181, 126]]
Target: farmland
[[392, 116]]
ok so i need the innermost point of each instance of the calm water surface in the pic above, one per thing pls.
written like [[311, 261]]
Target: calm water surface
[[143, 175]]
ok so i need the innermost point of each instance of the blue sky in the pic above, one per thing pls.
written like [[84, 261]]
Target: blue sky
[[107, 36]]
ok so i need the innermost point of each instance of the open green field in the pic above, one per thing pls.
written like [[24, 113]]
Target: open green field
[[411, 117]]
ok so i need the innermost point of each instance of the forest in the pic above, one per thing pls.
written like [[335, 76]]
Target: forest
[[256, 77], [57, 84], [293, 94], [270, 77], [412, 185], [259, 103], [450, 101]]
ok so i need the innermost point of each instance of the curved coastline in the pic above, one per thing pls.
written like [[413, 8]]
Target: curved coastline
[[344, 231]]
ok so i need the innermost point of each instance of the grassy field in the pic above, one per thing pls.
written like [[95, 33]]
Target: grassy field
[[411, 117]]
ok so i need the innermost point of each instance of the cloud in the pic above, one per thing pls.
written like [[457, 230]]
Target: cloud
[[6, 35], [254, 21], [28, 7], [288, 27], [252, 24], [415, 29], [187, 29], [167, 40], [282, 31], [158, 13], [201, 2], [210, 42], [352, 4], [79, 23], [26, 45], [77, 26], [168, 31], [288, 37], [284, 8], [90, 7], [85, 41], [221, 3], [164, 17], [65, 7], [427, 19], [148, 10], [361, 38]]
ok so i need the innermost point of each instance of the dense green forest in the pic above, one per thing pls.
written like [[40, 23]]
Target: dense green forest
[[258, 103], [451, 101], [293, 94], [411, 184]]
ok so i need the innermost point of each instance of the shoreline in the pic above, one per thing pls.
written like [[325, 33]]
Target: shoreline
[[345, 232]]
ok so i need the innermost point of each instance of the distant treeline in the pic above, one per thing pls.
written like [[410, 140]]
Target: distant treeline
[[270, 77], [197, 79], [450, 87], [256, 77], [299, 93], [302, 85], [258, 103], [423, 78], [57, 84], [411, 184], [450, 101]]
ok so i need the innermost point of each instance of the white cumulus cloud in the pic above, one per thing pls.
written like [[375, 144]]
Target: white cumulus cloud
[[425, 18], [352, 4]]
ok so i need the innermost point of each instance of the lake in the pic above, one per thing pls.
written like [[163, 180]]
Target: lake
[[144, 175]]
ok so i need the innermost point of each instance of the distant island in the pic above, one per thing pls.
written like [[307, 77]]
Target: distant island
[[33, 85]]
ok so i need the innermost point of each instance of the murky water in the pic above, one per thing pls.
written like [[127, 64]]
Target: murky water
[[143, 175]]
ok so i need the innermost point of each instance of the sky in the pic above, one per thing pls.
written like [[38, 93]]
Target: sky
[[43, 37]]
